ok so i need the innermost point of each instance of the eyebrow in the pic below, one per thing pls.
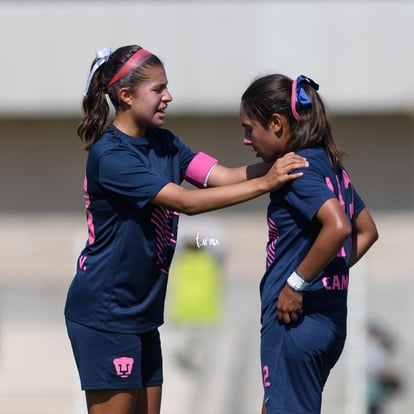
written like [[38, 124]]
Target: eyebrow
[[160, 84]]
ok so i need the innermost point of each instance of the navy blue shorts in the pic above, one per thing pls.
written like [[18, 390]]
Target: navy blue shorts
[[110, 360], [296, 361]]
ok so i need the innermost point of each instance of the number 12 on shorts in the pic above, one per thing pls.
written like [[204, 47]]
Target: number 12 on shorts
[[266, 381]]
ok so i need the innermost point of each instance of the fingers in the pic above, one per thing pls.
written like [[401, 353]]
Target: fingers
[[289, 305], [292, 158], [288, 317], [289, 177], [297, 162], [291, 162]]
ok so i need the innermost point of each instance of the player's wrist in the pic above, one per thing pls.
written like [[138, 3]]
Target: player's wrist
[[261, 185], [297, 282]]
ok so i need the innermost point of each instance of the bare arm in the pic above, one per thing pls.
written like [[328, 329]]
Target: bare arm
[[222, 175], [207, 199], [198, 201], [335, 229], [364, 235]]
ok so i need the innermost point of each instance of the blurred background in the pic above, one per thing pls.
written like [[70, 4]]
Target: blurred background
[[358, 51]]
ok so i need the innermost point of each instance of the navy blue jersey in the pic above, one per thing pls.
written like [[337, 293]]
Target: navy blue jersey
[[292, 231], [121, 277]]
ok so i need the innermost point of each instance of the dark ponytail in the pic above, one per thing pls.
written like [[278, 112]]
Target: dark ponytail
[[95, 109]]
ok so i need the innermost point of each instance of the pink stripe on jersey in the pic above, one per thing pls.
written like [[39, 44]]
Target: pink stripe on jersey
[[329, 184], [91, 227], [200, 169], [273, 239], [161, 218], [340, 197], [341, 252], [347, 180]]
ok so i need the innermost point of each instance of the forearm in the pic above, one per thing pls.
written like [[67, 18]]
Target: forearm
[[364, 235], [244, 184], [360, 245], [198, 201], [335, 229], [325, 248], [222, 175], [323, 251]]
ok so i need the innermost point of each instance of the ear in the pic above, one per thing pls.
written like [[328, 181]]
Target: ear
[[125, 96], [276, 123]]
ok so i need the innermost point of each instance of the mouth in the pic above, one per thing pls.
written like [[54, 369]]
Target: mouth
[[162, 112]]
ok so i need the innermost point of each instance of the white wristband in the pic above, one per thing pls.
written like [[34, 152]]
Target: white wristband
[[297, 282]]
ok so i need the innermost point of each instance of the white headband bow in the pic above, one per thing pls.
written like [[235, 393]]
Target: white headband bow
[[102, 56]]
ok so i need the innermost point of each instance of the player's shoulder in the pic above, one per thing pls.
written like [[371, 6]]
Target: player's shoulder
[[313, 152], [317, 157]]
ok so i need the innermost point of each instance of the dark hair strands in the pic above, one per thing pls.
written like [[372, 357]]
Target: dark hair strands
[[272, 94], [96, 110], [95, 105]]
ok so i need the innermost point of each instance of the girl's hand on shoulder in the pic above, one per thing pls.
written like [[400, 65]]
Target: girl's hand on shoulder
[[280, 172]]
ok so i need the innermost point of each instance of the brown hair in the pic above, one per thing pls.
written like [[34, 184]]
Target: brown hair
[[95, 106], [272, 94]]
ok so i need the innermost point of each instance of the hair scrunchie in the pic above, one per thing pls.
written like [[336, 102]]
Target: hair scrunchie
[[299, 98], [102, 57]]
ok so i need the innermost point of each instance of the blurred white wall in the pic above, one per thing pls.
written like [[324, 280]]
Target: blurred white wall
[[359, 51]]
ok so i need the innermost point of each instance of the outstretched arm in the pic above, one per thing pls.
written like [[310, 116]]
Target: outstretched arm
[[335, 229], [222, 175], [207, 199]]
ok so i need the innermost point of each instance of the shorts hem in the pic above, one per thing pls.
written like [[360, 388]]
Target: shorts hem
[[125, 387]]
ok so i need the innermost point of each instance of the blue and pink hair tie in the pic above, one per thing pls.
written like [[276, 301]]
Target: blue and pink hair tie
[[299, 98]]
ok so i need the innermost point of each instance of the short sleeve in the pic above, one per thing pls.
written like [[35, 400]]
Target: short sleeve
[[126, 175], [308, 193], [186, 155]]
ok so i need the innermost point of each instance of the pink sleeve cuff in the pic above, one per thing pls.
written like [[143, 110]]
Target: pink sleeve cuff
[[200, 169]]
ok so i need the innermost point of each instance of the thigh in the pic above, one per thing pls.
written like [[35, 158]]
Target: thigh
[[145, 400], [148, 400], [296, 361]]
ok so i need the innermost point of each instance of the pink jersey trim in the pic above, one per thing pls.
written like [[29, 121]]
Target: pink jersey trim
[[91, 227], [200, 169]]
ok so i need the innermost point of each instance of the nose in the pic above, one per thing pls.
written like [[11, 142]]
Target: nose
[[246, 141], [167, 96]]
